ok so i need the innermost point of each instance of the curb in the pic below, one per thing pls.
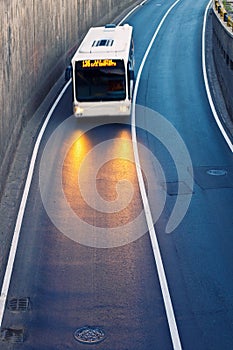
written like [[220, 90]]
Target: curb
[[214, 84]]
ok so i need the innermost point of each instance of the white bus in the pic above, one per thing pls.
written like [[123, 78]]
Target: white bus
[[103, 72]]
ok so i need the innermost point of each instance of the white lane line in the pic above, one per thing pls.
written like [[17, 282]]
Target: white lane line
[[15, 239], [157, 255], [204, 69]]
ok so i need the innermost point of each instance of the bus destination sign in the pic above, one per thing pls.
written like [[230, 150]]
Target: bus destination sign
[[98, 63]]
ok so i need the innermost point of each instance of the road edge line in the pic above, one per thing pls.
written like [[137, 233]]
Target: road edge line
[[130, 12]]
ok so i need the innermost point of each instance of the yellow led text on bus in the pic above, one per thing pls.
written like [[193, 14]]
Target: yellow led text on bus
[[98, 63]]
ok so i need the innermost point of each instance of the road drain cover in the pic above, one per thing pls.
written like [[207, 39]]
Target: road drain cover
[[19, 304], [11, 335], [89, 335], [217, 172]]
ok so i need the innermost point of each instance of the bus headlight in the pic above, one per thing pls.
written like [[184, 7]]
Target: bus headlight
[[124, 109], [78, 111]]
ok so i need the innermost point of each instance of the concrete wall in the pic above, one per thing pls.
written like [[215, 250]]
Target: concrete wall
[[37, 40], [223, 58]]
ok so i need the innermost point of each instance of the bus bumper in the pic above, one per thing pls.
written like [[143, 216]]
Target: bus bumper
[[102, 109]]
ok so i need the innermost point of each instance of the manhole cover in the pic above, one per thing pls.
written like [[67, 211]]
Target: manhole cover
[[89, 335], [214, 176], [216, 172]]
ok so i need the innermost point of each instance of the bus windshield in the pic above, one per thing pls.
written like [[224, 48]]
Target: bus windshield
[[100, 80]]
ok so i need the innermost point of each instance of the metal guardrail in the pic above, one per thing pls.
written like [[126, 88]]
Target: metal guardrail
[[219, 8]]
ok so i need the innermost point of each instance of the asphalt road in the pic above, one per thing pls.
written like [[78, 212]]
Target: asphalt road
[[99, 270]]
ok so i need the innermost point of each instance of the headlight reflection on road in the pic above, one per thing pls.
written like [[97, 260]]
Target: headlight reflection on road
[[100, 182]]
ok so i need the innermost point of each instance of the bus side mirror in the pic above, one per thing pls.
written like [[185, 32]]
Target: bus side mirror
[[131, 75], [131, 83], [68, 73]]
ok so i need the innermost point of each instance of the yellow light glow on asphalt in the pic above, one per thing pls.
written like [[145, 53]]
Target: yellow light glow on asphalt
[[100, 181]]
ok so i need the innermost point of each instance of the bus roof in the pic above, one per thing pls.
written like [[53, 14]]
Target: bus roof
[[109, 41]]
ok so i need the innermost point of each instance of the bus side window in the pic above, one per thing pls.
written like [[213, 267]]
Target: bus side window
[[131, 54]]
